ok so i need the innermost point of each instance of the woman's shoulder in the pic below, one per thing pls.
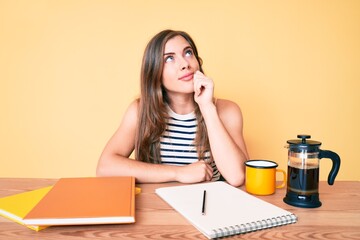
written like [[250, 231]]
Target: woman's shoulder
[[227, 108], [225, 104], [132, 110], [134, 105]]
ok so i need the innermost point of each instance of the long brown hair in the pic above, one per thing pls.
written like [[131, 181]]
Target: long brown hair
[[153, 113]]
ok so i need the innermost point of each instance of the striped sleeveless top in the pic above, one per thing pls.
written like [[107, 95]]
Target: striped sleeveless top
[[177, 142]]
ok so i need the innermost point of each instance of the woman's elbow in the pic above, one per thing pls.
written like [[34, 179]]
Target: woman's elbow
[[101, 169], [236, 181]]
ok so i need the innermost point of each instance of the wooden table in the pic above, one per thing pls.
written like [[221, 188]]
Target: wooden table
[[337, 218]]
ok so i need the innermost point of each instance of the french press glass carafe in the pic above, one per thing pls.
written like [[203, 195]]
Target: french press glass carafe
[[303, 171]]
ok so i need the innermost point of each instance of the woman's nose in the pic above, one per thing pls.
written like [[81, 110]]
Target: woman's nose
[[184, 64]]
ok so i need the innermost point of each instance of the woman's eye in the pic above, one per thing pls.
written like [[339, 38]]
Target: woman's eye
[[169, 59], [189, 53]]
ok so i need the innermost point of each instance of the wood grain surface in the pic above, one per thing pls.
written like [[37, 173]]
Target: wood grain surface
[[337, 218]]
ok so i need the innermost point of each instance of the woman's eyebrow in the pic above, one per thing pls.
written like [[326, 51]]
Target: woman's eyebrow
[[188, 47], [169, 53], [173, 53]]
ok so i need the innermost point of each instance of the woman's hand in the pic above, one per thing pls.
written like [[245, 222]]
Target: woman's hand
[[199, 171], [204, 89]]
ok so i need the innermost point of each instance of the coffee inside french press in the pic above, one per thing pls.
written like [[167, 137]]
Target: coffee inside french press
[[303, 171]]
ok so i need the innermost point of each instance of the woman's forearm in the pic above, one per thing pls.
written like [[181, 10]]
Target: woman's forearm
[[116, 165], [227, 154]]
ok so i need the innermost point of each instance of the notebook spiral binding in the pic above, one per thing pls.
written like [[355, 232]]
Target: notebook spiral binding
[[253, 226]]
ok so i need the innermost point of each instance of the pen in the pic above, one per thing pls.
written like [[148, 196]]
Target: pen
[[203, 203]]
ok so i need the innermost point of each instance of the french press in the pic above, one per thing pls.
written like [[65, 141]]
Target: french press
[[303, 171]]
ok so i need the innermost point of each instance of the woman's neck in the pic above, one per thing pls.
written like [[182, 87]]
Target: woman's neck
[[182, 104]]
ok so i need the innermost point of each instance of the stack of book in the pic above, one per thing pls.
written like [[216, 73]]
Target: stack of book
[[74, 201]]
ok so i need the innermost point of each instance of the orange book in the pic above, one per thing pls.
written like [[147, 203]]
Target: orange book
[[81, 201]]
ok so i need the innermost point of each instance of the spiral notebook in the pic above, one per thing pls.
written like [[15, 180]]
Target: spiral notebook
[[228, 210]]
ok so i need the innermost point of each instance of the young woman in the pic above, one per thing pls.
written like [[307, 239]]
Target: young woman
[[178, 130]]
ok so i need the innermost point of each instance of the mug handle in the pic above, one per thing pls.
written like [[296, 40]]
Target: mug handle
[[284, 178]]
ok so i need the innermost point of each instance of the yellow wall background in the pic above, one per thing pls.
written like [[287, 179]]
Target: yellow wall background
[[69, 69]]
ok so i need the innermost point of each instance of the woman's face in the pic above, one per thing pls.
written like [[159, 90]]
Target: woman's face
[[180, 64]]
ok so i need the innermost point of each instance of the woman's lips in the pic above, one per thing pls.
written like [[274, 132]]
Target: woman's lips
[[187, 77]]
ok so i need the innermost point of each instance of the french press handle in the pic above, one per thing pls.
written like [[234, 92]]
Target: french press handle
[[335, 164]]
